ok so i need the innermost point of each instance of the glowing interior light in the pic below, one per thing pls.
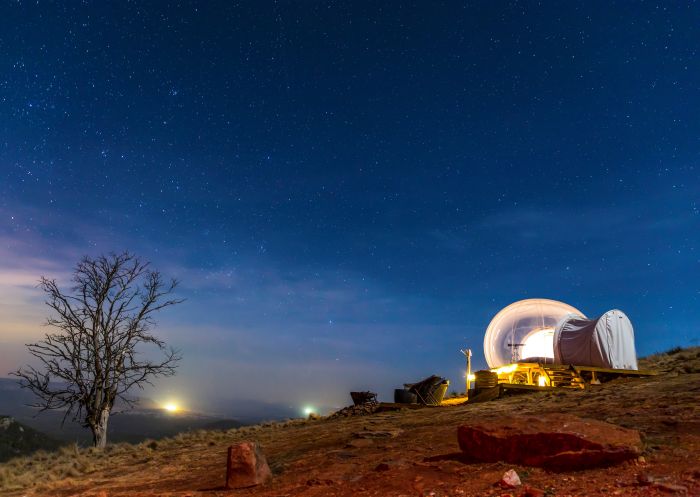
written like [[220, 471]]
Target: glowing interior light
[[539, 343], [506, 369], [170, 407], [542, 381]]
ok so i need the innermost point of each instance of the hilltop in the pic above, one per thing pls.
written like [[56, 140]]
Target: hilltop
[[330, 457]]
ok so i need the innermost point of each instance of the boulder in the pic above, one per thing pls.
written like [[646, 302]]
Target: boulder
[[246, 466], [560, 442]]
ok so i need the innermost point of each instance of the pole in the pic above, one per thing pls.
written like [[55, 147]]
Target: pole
[[469, 370], [467, 378]]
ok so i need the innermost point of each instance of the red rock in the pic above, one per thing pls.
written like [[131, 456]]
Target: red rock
[[510, 479], [246, 466], [529, 491], [561, 442]]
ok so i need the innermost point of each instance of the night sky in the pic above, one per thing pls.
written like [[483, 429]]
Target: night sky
[[349, 191]]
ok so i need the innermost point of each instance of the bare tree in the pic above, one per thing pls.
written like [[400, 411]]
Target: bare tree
[[93, 358]]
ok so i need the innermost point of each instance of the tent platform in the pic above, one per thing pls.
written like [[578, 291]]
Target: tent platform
[[559, 376], [534, 377]]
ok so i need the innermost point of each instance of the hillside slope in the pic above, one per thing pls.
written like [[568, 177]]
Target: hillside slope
[[17, 439], [326, 457]]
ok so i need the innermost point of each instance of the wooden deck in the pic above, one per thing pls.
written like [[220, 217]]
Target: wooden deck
[[537, 377]]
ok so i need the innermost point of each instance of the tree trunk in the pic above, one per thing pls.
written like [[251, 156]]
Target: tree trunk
[[99, 430]]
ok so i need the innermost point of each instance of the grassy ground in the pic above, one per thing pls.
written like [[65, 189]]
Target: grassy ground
[[314, 458]]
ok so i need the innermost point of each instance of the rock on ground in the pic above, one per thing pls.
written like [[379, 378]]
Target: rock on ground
[[510, 479], [561, 442], [246, 466]]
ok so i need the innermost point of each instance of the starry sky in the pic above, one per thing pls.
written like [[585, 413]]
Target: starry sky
[[349, 191]]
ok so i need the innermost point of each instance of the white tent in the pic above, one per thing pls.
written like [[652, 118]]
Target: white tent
[[606, 342]]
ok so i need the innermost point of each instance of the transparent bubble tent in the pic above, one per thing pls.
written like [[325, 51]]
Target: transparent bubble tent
[[525, 330]]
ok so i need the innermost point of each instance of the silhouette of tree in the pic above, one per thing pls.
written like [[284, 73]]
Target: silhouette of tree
[[94, 357]]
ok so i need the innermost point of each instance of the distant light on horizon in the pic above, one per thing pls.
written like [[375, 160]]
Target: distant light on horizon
[[171, 407], [308, 410]]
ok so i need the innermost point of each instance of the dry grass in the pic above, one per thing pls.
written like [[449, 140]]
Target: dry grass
[[42, 468], [676, 360], [39, 470], [25, 471]]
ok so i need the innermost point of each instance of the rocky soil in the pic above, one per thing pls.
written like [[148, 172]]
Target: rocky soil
[[405, 453]]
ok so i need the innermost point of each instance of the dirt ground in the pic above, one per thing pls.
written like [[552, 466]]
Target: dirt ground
[[419, 456]]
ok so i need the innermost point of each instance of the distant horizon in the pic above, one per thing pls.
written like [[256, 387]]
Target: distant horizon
[[297, 408]]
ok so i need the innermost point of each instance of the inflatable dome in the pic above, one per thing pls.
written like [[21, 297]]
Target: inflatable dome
[[525, 330]]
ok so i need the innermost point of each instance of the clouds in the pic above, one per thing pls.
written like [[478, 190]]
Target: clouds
[[29, 249], [22, 312], [21, 308]]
